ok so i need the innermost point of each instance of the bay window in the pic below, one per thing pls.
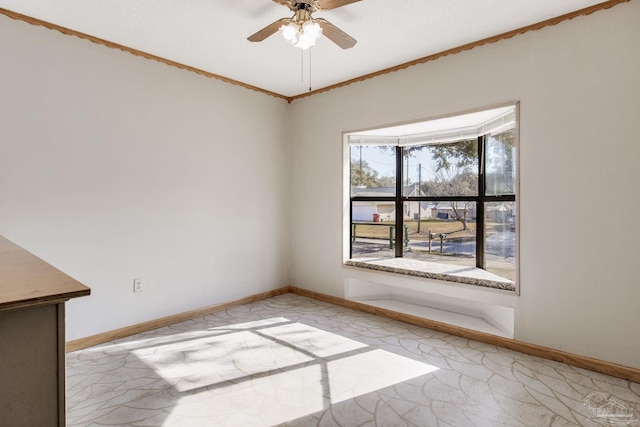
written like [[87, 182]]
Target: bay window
[[441, 193]]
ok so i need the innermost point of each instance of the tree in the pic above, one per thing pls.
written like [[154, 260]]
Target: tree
[[363, 175], [456, 166], [460, 155], [463, 182], [455, 170]]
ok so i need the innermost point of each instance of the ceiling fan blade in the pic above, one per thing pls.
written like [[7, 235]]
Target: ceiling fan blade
[[268, 30], [335, 34], [332, 4]]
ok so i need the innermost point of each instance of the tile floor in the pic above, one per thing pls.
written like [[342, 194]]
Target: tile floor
[[294, 361]]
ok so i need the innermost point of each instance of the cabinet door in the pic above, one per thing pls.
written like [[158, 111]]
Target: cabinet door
[[30, 376]]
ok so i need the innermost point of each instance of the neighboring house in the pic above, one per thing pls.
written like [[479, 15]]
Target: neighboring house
[[500, 212], [386, 211], [444, 210], [411, 208], [373, 211]]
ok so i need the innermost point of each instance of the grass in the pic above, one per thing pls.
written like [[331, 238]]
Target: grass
[[453, 229]]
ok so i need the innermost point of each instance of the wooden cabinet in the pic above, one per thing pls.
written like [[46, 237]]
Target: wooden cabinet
[[32, 339]]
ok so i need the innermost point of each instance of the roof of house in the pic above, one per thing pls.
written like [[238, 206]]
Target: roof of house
[[383, 191]]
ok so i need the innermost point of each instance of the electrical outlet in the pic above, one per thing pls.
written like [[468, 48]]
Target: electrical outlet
[[137, 285]]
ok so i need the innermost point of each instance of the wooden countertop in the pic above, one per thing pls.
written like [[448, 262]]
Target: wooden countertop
[[26, 280]]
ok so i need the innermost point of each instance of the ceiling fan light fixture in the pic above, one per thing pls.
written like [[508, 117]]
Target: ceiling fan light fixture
[[309, 34], [301, 30], [290, 32]]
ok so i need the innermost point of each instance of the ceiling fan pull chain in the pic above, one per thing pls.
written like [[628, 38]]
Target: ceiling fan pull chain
[[309, 71]]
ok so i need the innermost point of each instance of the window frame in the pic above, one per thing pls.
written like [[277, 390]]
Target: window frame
[[481, 199]]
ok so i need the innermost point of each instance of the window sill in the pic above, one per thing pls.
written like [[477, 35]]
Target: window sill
[[431, 270]]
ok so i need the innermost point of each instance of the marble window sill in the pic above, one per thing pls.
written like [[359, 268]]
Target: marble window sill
[[430, 270]]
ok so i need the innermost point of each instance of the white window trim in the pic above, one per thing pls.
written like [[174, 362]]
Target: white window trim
[[504, 119]]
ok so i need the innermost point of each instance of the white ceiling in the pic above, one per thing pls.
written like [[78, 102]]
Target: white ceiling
[[212, 34]]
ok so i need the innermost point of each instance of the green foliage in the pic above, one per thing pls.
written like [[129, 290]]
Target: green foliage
[[455, 167], [460, 155], [464, 183], [362, 175]]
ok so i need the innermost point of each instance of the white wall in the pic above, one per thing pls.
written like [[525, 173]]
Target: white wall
[[114, 167], [579, 95]]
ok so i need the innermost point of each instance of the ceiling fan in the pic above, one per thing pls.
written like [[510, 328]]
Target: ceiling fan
[[302, 30]]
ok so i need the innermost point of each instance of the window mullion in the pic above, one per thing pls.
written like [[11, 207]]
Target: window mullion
[[399, 202], [351, 234], [480, 226]]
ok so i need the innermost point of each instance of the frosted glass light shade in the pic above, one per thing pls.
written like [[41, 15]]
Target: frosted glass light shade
[[309, 35], [290, 32]]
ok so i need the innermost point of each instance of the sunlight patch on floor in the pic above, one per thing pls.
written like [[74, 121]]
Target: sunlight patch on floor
[[366, 372], [282, 372]]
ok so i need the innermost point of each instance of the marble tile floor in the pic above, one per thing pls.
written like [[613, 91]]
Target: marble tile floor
[[294, 361]]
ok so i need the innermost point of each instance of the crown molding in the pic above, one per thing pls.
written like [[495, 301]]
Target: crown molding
[[493, 39], [136, 52]]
